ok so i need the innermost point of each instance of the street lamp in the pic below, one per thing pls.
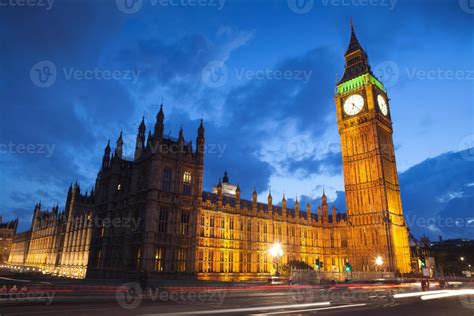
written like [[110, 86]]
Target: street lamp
[[462, 258], [379, 263], [276, 251]]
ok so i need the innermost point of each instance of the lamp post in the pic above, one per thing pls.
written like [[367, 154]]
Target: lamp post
[[276, 251], [378, 264]]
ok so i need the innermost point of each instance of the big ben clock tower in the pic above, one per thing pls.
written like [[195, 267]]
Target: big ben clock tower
[[377, 229]]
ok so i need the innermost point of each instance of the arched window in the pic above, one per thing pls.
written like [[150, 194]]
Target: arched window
[[187, 183], [166, 184]]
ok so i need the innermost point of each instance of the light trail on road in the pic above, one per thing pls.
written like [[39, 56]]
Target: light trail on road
[[244, 310]]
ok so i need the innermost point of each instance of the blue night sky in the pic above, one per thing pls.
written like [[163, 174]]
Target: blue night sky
[[269, 118]]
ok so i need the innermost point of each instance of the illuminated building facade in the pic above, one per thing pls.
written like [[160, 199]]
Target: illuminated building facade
[[373, 204], [150, 213], [7, 231], [235, 235], [58, 241], [153, 201], [19, 248]]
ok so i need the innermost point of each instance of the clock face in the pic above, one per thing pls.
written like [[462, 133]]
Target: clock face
[[353, 104], [382, 104]]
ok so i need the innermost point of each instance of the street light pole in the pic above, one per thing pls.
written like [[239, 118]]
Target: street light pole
[[276, 251], [378, 264]]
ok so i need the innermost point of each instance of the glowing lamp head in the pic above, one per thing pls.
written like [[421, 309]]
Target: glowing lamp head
[[379, 261], [276, 250]]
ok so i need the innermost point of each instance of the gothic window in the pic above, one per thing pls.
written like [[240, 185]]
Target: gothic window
[[241, 261], [249, 262], [231, 228], [211, 224], [163, 221], [187, 183], [182, 256], [183, 227], [200, 261], [265, 263], [231, 262], [138, 258], [159, 259], [201, 227], [249, 231], [210, 262], [221, 230], [221, 262], [166, 184]]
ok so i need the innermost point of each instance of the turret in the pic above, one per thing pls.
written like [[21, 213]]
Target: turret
[[237, 197], [149, 142], [106, 158], [200, 143], [356, 59], [160, 125], [219, 194], [254, 200], [140, 143], [320, 214], [324, 207], [270, 202], [36, 213], [181, 137], [297, 209], [308, 211], [334, 218], [119, 147], [226, 178], [283, 206]]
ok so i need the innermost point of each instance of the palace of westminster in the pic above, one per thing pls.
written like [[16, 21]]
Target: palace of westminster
[[150, 213]]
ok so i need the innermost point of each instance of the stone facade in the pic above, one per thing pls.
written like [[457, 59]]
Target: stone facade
[[373, 205], [7, 232], [58, 241], [150, 214]]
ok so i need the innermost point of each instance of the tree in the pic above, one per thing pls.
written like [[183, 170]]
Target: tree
[[425, 242]]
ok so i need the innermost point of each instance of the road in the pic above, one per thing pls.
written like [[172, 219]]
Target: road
[[256, 300]]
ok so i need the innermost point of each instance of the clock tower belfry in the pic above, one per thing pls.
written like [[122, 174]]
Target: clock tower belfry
[[377, 228]]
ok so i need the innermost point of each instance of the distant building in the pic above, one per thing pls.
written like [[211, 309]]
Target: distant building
[[58, 241], [7, 231], [19, 248]]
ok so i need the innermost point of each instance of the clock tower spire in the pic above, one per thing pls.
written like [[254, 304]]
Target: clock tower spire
[[373, 204]]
